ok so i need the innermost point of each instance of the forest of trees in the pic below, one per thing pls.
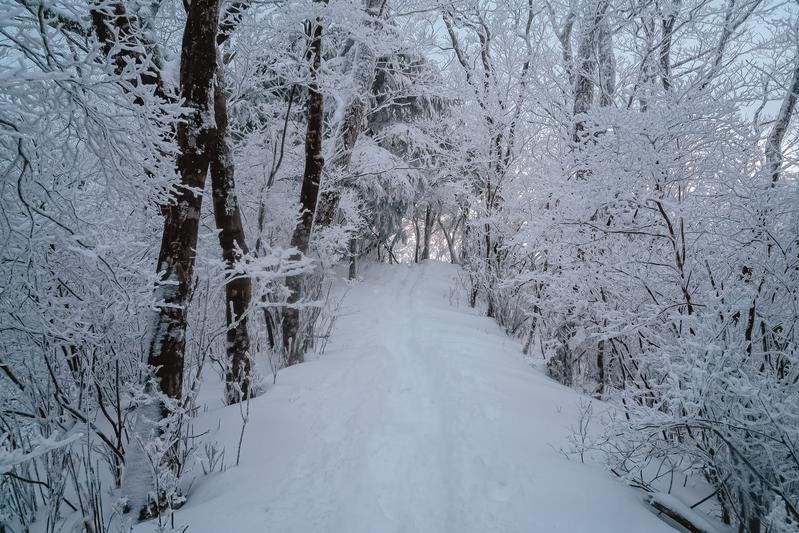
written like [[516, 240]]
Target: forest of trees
[[182, 182]]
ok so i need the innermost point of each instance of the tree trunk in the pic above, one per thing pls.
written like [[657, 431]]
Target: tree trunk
[[308, 195], [354, 257], [600, 365], [667, 34], [227, 215], [195, 137], [348, 135], [686, 520], [363, 74], [774, 142], [606, 65], [390, 248], [428, 231], [586, 67], [453, 258], [121, 39], [417, 238]]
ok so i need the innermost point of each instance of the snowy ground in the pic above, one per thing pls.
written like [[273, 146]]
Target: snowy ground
[[420, 417]]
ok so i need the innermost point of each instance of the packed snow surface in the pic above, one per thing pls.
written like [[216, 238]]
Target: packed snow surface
[[421, 416]]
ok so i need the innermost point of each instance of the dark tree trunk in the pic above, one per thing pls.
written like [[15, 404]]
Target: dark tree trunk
[[453, 257], [561, 365], [195, 136], [664, 53], [114, 26], [390, 248], [465, 257], [354, 258], [417, 238], [774, 154], [308, 196], [600, 365], [350, 129], [606, 67], [428, 231], [231, 238], [586, 69]]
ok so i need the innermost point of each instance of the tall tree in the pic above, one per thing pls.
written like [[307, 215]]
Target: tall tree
[[354, 110], [314, 162], [774, 154], [204, 142], [196, 136], [594, 34], [227, 213]]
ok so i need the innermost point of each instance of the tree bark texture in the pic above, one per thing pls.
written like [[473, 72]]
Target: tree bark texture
[[428, 231], [314, 163], [774, 154], [353, 270], [586, 66], [123, 40], [453, 256], [227, 215], [179, 240], [195, 135], [606, 65], [667, 34]]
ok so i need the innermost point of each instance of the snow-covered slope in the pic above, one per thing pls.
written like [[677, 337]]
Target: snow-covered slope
[[420, 417]]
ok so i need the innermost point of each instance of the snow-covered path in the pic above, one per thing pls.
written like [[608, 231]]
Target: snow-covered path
[[421, 417]]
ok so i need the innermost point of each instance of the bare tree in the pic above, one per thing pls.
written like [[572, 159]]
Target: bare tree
[[314, 163], [667, 27], [774, 154], [227, 213], [594, 33], [354, 110], [429, 220], [195, 136]]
